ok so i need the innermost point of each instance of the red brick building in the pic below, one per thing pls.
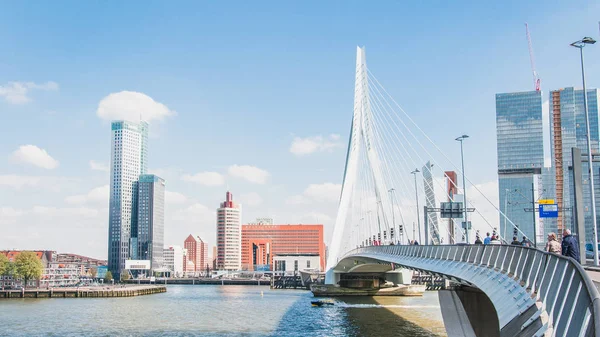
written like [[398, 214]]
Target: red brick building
[[197, 253], [262, 242]]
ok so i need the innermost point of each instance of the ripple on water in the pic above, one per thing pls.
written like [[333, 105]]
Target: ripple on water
[[221, 311]]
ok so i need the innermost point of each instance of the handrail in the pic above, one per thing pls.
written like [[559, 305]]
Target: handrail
[[542, 274]]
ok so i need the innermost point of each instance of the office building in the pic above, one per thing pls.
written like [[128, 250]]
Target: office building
[[129, 152], [519, 130], [173, 260], [229, 234], [197, 254], [261, 243], [151, 219], [568, 130]]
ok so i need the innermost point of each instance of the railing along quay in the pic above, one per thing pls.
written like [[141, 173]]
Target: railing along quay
[[559, 284]]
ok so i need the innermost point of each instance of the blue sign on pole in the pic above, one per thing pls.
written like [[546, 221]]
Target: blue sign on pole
[[548, 211]]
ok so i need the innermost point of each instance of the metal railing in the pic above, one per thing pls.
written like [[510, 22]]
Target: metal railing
[[560, 284]]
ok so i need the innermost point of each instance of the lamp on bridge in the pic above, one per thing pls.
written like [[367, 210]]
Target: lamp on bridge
[[579, 45], [417, 199], [462, 159]]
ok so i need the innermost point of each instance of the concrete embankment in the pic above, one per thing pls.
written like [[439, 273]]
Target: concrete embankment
[[113, 291], [196, 281]]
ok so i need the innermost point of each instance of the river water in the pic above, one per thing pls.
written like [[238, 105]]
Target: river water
[[222, 311]]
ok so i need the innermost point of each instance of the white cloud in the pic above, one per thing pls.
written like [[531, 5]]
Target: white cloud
[[205, 178], [65, 212], [131, 105], [324, 192], [252, 174], [98, 195], [33, 155], [52, 183], [297, 200], [175, 198], [251, 199], [98, 166], [303, 146], [16, 92]]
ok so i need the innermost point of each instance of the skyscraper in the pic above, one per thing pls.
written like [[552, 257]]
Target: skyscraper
[[151, 219], [229, 235], [432, 217], [129, 152], [519, 131], [568, 130]]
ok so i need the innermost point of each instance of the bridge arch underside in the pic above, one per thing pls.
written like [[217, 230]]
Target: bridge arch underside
[[516, 311]]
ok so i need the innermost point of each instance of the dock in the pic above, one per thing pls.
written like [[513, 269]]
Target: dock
[[85, 292]]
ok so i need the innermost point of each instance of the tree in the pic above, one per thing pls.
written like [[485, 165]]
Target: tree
[[28, 267], [124, 276], [93, 272], [4, 264], [108, 277]]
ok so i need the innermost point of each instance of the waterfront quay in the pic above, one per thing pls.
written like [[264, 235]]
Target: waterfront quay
[[205, 281], [79, 292]]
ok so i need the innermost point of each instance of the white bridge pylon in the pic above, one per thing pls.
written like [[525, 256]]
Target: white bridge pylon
[[361, 140], [378, 205]]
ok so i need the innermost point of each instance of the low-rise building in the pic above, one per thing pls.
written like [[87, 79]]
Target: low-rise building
[[60, 275], [173, 260], [289, 264]]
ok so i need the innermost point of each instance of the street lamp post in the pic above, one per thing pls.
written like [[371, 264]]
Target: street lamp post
[[462, 159], [580, 44], [417, 199], [391, 191]]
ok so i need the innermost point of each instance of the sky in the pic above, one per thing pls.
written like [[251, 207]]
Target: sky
[[256, 98]]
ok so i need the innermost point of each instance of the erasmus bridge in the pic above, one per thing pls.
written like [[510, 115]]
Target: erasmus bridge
[[499, 290]]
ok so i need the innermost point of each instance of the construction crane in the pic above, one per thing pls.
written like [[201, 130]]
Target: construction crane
[[536, 78]]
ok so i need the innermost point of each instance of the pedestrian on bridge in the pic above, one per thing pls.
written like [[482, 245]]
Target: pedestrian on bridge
[[570, 246], [552, 246], [515, 241], [487, 239], [495, 240]]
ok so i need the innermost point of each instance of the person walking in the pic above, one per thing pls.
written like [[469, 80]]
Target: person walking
[[515, 242], [570, 246], [552, 246], [526, 242], [495, 240], [487, 239]]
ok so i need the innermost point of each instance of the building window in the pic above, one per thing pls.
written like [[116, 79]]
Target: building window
[[307, 263], [295, 265]]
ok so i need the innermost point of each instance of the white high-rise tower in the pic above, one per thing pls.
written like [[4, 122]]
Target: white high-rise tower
[[129, 153], [229, 235]]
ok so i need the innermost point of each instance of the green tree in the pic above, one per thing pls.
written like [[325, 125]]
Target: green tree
[[124, 276], [4, 264], [93, 272], [108, 277], [28, 267]]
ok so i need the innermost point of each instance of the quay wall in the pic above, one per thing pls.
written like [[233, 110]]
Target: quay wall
[[127, 291]]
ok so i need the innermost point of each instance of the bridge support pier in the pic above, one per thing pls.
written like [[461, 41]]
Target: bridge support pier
[[468, 312]]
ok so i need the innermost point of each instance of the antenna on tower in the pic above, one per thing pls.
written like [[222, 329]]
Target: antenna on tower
[[536, 78]]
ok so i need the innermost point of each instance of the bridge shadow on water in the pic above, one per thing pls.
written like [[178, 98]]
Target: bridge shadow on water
[[363, 316]]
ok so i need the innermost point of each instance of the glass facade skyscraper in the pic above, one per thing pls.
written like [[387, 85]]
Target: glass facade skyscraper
[[151, 220], [568, 130], [520, 160], [128, 161]]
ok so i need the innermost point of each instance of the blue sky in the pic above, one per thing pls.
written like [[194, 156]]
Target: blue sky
[[242, 81]]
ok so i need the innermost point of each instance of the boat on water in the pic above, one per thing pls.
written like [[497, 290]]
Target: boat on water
[[320, 303]]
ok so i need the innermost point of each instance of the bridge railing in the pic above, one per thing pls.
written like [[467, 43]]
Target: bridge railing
[[566, 292]]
